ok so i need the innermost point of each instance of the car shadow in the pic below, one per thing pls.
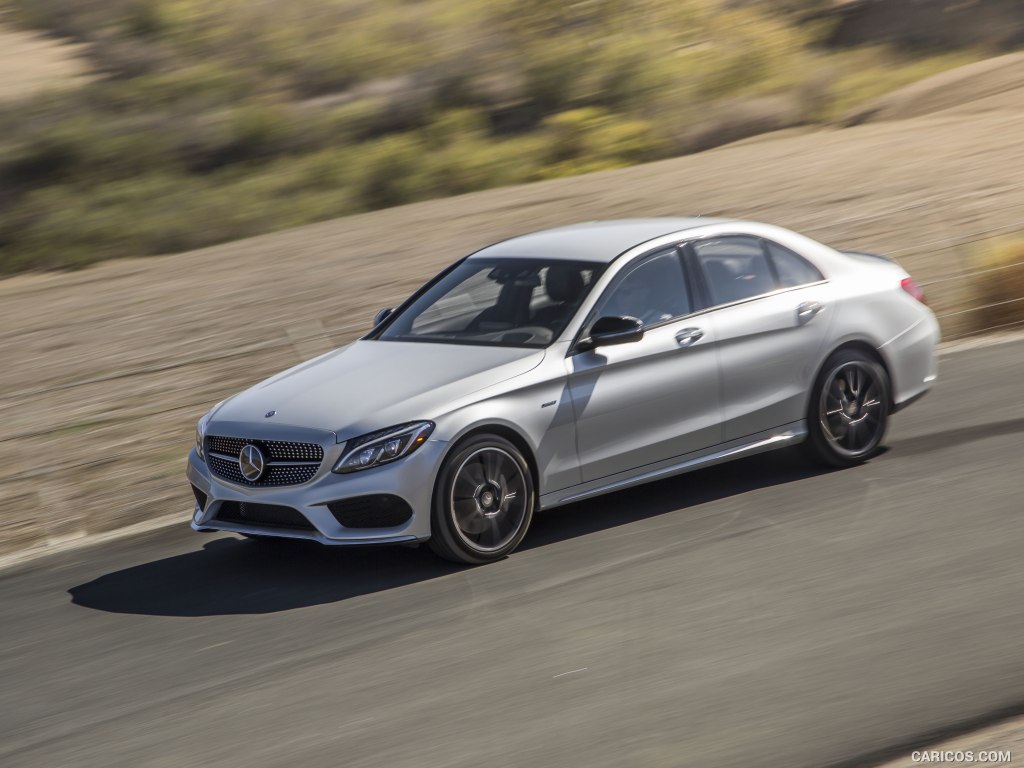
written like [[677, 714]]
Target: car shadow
[[674, 494], [229, 575]]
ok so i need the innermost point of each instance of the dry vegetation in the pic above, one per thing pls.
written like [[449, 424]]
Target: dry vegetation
[[214, 120], [999, 284]]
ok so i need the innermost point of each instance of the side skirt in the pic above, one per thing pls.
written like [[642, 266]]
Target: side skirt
[[789, 434]]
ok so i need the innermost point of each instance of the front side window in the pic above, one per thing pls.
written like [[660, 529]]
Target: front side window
[[735, 268], [652, 291], [497, 302]]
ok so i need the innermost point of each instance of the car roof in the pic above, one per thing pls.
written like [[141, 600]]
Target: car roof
[[599, 241]]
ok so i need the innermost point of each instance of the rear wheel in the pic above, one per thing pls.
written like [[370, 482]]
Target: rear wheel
[[849, 410], [483, 502]]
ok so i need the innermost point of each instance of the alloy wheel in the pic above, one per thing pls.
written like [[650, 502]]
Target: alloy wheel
[[851, 408], [489, 499]]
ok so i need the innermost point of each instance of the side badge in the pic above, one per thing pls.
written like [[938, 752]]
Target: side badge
[[269, 414]]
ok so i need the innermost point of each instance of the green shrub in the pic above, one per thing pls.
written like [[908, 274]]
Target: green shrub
[[595, 136], [569, 133], [223, 119], [553, 74], [389, 172], [454, 127], [145, 18], [631, 141], [46, 158]]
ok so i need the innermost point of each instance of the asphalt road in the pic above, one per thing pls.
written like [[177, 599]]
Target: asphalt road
[[758, 613]]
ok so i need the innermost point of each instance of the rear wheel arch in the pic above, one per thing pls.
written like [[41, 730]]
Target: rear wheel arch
[[853, 429], [865, 347]]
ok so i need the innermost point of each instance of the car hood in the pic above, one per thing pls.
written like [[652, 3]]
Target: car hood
[[371, 385]]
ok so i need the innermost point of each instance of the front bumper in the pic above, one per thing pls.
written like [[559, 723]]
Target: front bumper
[[411, 479]]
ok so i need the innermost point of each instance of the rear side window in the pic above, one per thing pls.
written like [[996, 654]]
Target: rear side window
[[735, 268], [791, 269]]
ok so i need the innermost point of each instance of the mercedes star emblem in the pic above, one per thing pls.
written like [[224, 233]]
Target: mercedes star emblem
[[250, 462]]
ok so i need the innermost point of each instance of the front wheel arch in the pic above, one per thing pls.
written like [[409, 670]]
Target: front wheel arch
[[451, 543], [510, 434]]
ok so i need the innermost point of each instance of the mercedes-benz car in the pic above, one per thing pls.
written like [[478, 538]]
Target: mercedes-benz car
[[553, 367]]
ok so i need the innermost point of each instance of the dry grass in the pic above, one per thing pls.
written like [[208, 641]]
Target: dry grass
[[999, 284]]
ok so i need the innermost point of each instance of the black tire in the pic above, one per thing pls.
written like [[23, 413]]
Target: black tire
[[848, 410], [484, 500]]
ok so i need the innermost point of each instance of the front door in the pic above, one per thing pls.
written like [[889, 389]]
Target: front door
[[646, 401]]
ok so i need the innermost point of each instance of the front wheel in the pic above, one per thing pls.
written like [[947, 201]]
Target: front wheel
[[848, 410], [483, 501]]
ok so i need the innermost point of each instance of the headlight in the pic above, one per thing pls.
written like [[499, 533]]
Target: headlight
[[384, 446], [201, 433]]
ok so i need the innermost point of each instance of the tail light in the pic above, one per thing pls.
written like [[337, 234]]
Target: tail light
[[910, 285]]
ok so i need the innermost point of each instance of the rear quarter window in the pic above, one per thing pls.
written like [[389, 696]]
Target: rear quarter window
[[792, 270]]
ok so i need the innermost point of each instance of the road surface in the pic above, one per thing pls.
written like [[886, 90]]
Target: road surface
[[758, 613]]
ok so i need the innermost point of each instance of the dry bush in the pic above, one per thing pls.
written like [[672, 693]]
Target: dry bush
[[999, 284]]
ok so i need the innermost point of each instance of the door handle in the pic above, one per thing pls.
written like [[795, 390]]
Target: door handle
[[808, 310], [689, 336]]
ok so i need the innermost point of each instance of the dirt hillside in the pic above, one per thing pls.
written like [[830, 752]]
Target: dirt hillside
[[972, 88], [31, 63], [106, 370]]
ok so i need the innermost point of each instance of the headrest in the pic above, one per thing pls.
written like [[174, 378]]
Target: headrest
[[564, 284]]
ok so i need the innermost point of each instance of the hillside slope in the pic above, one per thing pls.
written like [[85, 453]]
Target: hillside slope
[[106, 370], [973, 87]]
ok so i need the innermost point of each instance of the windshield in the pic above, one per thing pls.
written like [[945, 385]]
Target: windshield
[[498, 302]]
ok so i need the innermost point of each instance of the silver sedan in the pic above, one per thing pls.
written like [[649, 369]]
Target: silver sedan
[[557, 366]]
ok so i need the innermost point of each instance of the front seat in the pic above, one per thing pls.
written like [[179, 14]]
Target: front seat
[[564, 286]]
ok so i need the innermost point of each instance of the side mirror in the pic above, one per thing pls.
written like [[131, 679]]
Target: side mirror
[[381, 316], [613, 330]]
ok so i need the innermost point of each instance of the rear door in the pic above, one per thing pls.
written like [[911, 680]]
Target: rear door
[[770, 314], [654, 399]]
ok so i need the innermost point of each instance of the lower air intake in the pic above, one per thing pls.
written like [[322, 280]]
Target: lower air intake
[[377, 511], [263, 516]]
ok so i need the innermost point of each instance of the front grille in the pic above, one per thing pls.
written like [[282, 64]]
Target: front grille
[[263, 515], [200, 497], [274, 450], [377, 511], [287, 463]]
